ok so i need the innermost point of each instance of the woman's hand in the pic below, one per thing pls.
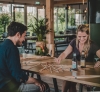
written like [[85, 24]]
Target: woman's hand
[[97, 64], [64, 54], [58, 60]]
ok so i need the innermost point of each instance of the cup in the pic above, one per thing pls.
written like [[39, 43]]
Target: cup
[[20, 50], [24, 55]]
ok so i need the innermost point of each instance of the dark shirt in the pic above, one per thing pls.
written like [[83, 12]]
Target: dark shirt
[[91, 53], [10, 67]]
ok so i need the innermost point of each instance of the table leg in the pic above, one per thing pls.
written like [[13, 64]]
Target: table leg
[[32, 74], [55, 85], [80, 87], [25, 44], [38, 77]]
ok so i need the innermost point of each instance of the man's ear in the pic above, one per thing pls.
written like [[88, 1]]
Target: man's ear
[[18, 34]]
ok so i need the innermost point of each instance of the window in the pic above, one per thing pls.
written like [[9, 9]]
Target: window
[[76, 15], [31, 13], [0, 9], [41, 12], [59, 19], [5, 17], [18, 13]]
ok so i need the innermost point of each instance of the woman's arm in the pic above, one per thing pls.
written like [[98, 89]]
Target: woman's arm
[[98, 53], [64, 54], [97, 64]]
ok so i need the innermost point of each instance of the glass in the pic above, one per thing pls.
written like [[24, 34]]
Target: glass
[[59, 19], [31, 13], [77, 15], [26, 51], [41, 13], [18, 12]]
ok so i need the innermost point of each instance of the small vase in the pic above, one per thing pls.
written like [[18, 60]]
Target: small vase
[[40, 43], [40, 47]]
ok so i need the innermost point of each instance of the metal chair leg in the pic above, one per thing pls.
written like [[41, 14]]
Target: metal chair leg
[[38, 77], [80, 87], [55, 85]]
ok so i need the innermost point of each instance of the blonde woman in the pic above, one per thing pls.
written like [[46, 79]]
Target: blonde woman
[[81, 43]]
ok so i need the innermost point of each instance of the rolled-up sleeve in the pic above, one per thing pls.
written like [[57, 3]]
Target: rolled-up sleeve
[[14, 66]]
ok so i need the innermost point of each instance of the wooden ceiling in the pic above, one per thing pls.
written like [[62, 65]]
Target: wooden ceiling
[[58, 2], [42, 2]]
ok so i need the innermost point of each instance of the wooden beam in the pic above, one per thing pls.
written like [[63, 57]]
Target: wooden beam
[[50, 17], [69, 2], [25, 2], [50, 35]]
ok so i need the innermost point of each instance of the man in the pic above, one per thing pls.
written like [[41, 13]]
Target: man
[[12, 78]]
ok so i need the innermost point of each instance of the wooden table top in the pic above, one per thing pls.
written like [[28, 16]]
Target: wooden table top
[[88, 75]]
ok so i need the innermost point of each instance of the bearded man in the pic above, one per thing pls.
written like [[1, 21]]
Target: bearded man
[[12, 78]]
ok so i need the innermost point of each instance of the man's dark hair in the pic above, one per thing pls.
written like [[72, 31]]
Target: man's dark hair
[[15, 27]]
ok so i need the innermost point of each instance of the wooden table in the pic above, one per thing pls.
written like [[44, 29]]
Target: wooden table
[[88, 75]]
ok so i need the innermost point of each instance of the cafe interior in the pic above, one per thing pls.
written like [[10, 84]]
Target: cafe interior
[[63, 17]]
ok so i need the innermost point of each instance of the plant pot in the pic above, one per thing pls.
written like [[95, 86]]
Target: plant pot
[[41, 48], [40, 37], [40, 43]]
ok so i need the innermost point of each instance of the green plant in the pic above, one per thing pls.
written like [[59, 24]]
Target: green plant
[[71, 17], [39, 27], [19, 17], [4, 20]]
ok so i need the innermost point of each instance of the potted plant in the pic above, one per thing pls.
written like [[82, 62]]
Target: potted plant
[[40, 28], [4, 21]]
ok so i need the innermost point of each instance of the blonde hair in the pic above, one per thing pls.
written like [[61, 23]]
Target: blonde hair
[[84, 28]]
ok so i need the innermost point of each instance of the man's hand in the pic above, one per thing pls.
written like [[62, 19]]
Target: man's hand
[[41, 85], [36, 82]]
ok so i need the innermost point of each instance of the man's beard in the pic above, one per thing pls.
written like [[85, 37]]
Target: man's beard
[[18, 44]]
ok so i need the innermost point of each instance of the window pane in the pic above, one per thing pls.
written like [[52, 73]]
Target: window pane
[[59, 19], [5, 17], [76, 15], [31, 13], [41, 13], [18, 13], [71, 18]]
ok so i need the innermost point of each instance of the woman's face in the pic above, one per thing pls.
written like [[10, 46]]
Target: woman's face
[[82, 37]]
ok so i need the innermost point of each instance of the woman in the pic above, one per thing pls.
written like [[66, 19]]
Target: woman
[[81, 43]]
